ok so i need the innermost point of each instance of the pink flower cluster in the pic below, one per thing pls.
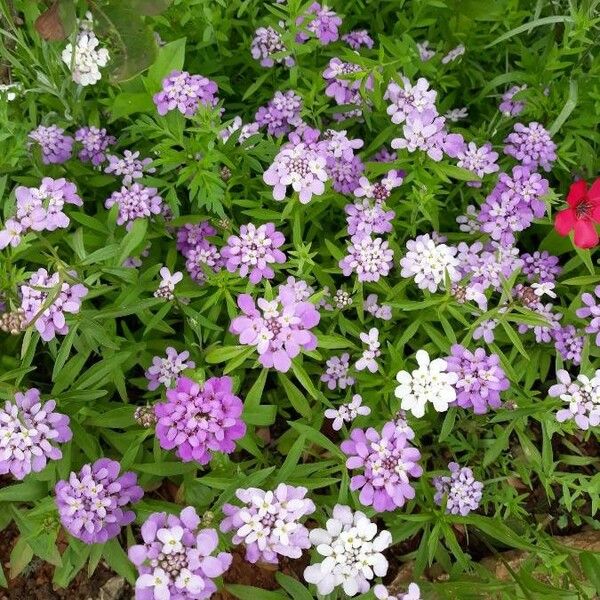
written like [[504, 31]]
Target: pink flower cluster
[[198, 419], [279, 328]]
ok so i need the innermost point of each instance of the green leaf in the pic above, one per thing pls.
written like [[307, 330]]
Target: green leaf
[[247, 592], [590, 563], [295, 396], [134, 47], [151, 8], [317, 438], [117, 559], [293, 587], [567, 109], [129, 103], [134, 238], [224, 354], [254, 395], [24, 492], [529, 26], [498, 530], [3, 582], [170, 58]]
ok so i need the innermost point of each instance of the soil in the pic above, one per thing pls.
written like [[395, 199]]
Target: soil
[[261, 576], [35, 583]]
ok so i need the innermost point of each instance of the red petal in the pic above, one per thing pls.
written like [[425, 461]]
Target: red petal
[[586, 235], [565, 221], [594, 193], [577, 192]]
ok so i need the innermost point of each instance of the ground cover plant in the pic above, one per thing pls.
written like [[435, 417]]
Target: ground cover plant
[[301, 301]]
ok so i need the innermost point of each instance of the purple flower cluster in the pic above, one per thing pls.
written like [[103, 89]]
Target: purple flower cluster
[[513, 204], [129, 166], [192, 235], [279, 329], [201, 256], [92, 503], [568, 343], [268, 523], [300, 167], [370, 258], [135, 202], [253, 251], [166, 370], [582, 397], [176, 561], [323, 23], [423, 127], [540, 266], [381, 311], [510, 107], [357, 39], [387, 461], [186, 93], [342, 165], [480, 161], [336, 375], [591, 308], [463, 492], [55, 145], [46, 300], [531, 145], [39, 209], [281, 113], [30, 432], [267, 42], [344, 82], [198, 419], [480, 378], [94, 143]]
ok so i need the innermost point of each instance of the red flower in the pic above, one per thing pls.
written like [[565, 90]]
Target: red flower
[[582, 215]]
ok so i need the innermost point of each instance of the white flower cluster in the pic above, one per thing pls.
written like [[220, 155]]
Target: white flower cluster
[[430, 383], [86, 58], [353, 553], [346, 413], [367, 360]]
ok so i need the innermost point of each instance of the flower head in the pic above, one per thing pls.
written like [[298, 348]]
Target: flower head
[[463, 492], [56, 147], [531, 145], [429, 263], [92, 504], [253, 251], [323, 24], [510, 107], [267, 42], [129, 166], [85, 58], [346, 413], [177, 559], [281, 113], [185, 93], [387, 461], [94, 143], [370, 258], [166, 370], [430, 383], [582, 215], [168, 281], [198, 419], [336, 374], [358, 38], [46, 300], [591, 308], [582, 396], [480, 378], [352, 548], [413, 593], [30, 434], [268, 523], [135, 202], [279, 329], [299, 167]]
